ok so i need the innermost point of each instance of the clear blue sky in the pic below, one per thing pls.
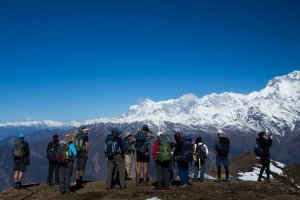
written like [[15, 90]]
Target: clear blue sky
[[78, 60]]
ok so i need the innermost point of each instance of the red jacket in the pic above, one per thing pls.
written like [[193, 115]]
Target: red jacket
[[155, 149]]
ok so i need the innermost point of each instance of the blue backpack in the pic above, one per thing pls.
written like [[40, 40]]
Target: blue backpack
[[186, 150], [258, 150], [111, 146]]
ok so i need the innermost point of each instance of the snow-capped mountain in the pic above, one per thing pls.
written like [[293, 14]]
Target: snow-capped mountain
[[276, 108], [41, 124]]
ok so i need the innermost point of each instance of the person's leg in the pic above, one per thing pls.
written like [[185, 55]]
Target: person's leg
[[56, 173], [20, 176], [127, 164], [226, 166], [109, 174], [219, 172], [196, 170], [145, 166], [138, 171], [121, 168], [69, 170], [263, 162], [50, 173], [166, 175], [159, 174], [16, 176], [62, 179], [219, 164], [78, 164], [180, 172], [202, 171], [268, 160], [186, 173]]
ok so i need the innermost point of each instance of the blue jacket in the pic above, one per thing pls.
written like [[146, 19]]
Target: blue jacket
[[72, 150]]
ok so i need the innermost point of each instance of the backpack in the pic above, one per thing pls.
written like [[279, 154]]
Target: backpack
[[223, 147], [111, 146], [201, 153], [52, 151], [186, 150], [164, 149], [19, 148], [78, 139], [63, 153], [141, 144], [258, 150]]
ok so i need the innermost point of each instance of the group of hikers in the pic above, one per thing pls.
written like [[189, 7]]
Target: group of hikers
[[121, 151]]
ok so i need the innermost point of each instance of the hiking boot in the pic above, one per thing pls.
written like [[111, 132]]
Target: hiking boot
[[144, 183], [226, 180], [200, 180], [138, 183], [128, 179], [184, 186], [218, 181], [157, 188], [259, 179], [166, 188], [268, 181], [123, 188]]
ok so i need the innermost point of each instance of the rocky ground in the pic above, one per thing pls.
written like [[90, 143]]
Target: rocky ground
[[207, 190]]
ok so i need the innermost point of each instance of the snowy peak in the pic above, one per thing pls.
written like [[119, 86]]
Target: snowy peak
[[275, 107], [44, 124]]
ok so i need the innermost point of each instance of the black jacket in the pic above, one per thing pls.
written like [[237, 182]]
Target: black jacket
[[265, 145]]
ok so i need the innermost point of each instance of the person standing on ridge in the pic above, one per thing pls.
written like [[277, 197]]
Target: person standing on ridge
[[114, 152], [222, 147], [142, 147], [21, 157], [128, 154], [265, 143], [200, 157], [53, 162], [82, 147]]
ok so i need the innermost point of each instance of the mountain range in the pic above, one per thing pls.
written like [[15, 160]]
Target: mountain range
[[276, 109]]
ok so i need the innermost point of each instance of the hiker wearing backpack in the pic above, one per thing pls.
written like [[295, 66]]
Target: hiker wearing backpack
[[20, 153], [128, 154], [66, 155], [183, 155], [265, 143], [142, 147], [114, 152], [53, 162], [200, 157], [222, 147], [162, 155], [81, 142]]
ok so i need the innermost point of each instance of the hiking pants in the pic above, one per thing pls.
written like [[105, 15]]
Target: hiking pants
[[163, 172], [53, 167], [183, 169], [128, 164], [197, 169], [117, 161], [265, 161], [65, 177]]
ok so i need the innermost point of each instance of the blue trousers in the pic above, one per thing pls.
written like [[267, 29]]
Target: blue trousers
[[183, 169]]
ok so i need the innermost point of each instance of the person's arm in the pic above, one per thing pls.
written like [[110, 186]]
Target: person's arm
[[206, 149], [28, 150], [154, 150], [87, 146], [123, 146]]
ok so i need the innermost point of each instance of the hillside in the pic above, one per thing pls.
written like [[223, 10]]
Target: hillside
[[207, 190]]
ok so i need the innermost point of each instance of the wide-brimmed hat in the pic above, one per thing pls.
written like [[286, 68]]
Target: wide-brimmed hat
[[85, 129], [127, 134], [159, 133], [68, 137]]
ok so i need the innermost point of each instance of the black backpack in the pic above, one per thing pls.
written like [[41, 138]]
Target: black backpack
[[258, 150], [201, 153], [52, 151], [141, 144], [111, 146], [223, 147]]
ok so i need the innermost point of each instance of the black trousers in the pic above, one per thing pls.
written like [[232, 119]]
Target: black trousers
[[163, 172], [53, 168], [265, 161]]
